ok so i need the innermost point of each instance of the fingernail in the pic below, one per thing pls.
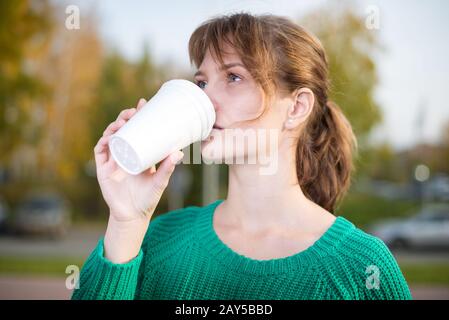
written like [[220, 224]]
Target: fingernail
[[180, 156], [141, 100]]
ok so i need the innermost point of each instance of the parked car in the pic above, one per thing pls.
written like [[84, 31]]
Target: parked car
[[437, 188], [4, 215], [45, 213], [428, 228]]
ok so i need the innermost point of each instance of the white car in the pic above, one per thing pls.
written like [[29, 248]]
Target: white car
[[428, 228]]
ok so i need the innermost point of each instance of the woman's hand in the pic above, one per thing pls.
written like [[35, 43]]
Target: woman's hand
[[130, 197]]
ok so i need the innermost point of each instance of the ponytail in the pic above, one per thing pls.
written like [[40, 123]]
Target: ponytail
[[324, 156]]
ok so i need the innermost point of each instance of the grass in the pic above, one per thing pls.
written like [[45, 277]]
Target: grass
[[363, 209], [38, 266], [432, 274]]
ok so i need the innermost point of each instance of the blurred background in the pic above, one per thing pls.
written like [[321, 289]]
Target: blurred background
[[68, 67]]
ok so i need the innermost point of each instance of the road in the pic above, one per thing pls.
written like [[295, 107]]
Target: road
[[44, 288], [79, 242]]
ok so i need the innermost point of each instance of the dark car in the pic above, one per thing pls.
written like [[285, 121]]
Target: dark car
[[4, 215], [43, 213]]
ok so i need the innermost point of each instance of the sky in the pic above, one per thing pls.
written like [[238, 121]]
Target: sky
[[413, 70]]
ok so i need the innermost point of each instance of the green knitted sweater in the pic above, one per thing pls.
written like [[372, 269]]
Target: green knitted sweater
[[183, 258]]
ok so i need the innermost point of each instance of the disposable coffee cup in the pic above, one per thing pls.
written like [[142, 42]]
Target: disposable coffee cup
[[179, 114]]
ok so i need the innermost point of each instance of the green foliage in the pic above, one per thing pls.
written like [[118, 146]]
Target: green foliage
[[121, 85], [25, 26], [363, 209], [350, 49]]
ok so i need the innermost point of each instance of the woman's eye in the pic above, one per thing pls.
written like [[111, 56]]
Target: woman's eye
[[234, 78], [201, 84], [231, 78]]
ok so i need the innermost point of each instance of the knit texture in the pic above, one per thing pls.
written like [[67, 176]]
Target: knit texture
[[183, 258]]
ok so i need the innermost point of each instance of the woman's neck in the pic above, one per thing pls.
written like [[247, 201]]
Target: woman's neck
[[257, 202]]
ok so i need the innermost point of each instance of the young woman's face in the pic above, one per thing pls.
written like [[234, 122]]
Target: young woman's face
[[239, 103]]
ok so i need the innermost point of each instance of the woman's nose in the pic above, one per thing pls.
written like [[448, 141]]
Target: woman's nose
[[212, 98]]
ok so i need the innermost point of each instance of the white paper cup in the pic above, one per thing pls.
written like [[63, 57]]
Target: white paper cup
[[179, 114]]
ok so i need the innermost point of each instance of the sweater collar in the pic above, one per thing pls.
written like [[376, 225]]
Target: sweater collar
[[307, 258]]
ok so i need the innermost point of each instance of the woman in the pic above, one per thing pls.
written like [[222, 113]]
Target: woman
[[275, 235]]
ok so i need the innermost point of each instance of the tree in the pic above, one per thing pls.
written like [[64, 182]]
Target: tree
[[443, 160], [122, 83], [349, 46], [71, 67], [25, 30]]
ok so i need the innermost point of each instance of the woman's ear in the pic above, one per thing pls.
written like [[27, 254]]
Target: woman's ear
[[299, 111]]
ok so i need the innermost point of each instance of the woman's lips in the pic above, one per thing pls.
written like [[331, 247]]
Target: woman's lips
[[211, 136]]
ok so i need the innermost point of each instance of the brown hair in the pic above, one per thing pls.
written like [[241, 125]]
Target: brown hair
[[281, 55]]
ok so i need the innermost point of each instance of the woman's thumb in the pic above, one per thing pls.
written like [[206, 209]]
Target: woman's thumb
[[166, 168]]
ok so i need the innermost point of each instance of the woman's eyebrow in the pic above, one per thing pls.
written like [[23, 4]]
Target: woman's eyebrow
[[223, 67], [230, 65]]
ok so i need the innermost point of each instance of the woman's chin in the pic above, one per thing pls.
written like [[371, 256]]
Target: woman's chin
[[209, 152], [214, 151]]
